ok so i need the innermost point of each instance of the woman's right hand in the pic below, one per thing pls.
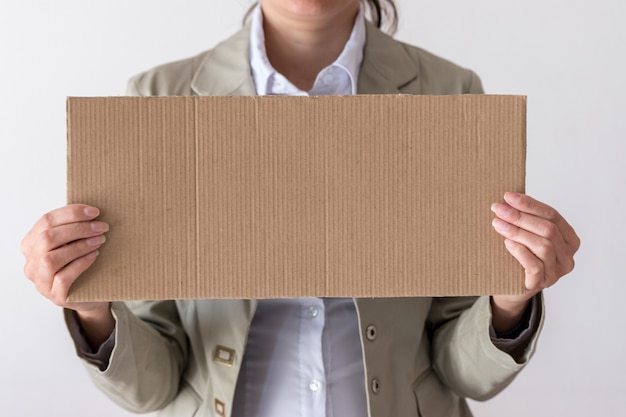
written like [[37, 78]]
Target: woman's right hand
[[60, 247]]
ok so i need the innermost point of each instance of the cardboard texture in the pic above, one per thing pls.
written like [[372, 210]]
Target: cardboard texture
[[263, 197]]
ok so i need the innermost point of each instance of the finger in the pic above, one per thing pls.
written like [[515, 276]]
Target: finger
[[71, 213], [532, 223], [57, 259], [540, 247], [529, 205], [65, 215], [58, 236], [534, 275], [64, 279], [550, 238]]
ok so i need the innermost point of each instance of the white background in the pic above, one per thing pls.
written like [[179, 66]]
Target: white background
[[567, 56]]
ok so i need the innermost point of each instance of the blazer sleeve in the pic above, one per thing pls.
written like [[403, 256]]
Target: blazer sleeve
[[464, 357], [148, 358]]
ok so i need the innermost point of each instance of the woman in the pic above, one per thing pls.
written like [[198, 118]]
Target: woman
[[310, 357]]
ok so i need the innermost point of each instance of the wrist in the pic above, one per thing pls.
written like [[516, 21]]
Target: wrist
[[96, 324], [94, 312], [506, 313]]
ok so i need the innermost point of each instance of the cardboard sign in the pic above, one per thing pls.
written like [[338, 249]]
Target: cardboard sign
[[268, 197]]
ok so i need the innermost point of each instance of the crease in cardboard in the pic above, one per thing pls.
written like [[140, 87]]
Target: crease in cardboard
[[197, 191], [326, 218]]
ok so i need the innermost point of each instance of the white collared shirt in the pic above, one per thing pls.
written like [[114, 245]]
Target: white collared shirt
[[303, 357], [339, 78]]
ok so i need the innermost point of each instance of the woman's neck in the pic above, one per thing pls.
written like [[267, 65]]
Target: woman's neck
[[299, 46]]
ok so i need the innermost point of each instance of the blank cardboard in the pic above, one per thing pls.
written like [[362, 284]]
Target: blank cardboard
[[268, 197]]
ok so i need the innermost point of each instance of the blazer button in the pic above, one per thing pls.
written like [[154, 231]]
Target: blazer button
[[224, 355], [375, 385], [370, 332], [220, 408]]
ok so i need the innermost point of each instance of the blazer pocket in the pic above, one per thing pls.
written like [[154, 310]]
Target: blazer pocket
[[433, 398]]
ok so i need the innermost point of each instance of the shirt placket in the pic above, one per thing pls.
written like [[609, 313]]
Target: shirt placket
[[311, 359]]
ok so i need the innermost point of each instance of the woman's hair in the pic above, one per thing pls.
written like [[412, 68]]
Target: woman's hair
[[382, 13]]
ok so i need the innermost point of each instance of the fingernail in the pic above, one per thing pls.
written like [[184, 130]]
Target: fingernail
[[96, 240], [500, 225], [512, 198], [93, 255], [99, 226], [500, 209], [508, 243], [504, 211], [91, 211]]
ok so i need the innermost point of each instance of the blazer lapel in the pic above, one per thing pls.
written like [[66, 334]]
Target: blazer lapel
[[386, 65], [225, 70]]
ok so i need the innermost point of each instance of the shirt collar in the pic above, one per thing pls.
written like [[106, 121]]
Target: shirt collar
[[262, 71]]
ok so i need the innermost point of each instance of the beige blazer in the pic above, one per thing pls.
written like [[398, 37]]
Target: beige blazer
[[183, 357]]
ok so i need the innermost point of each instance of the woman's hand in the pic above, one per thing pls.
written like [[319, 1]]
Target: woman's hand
[[542, 242], [60, 247]]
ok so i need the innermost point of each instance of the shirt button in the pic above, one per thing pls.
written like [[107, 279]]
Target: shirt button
[[315, 385], [313, 311], [375, 385], [370, 333]]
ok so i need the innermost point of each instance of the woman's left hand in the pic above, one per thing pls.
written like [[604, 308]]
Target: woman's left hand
[[544, 244]]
